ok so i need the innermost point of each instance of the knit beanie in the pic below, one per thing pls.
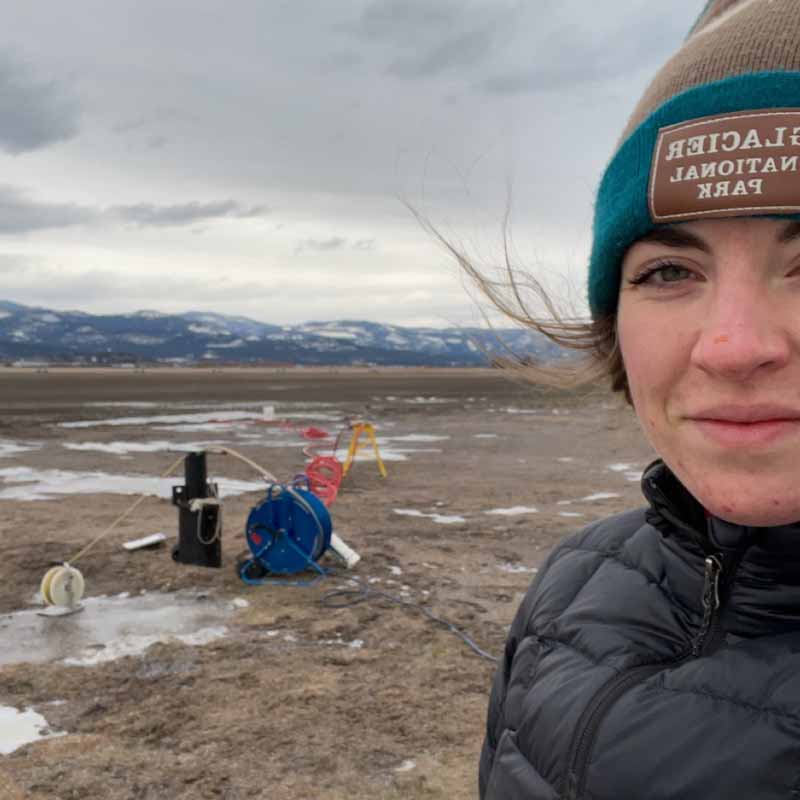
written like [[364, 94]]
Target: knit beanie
[[716, 134]]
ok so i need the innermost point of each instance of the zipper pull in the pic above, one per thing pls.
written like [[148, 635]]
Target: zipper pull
[[710, 600]]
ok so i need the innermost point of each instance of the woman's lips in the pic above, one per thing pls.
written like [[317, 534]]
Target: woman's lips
[[731, 433]]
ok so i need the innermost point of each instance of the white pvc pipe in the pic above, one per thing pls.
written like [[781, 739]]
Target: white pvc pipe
[[347, 554]]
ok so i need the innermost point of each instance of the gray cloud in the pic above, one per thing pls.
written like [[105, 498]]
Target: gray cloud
[[125, 126], [321, 245], [148, 214], [34, 112], [463, 50], [396, 20], [19, 214], [573, 54]]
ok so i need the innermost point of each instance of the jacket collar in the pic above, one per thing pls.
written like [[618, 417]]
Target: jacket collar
[[765, 587]]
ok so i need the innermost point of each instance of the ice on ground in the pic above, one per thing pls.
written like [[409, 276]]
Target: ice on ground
[[123, 404], [513, 511], [630, 471], [516, 568], [440, 519], [111, 627], [9, 448], [416, 437], [619, 467], [45, 484], [18, 728], [202, 427], [132, 645], [367, 453], [167, 419], [420, 400], [120, 448]]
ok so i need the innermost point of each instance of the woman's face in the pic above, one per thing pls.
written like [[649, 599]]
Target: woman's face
[[709, 329]]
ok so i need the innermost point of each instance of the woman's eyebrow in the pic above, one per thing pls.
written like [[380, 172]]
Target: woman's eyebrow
[[791, 231], [678, 237]]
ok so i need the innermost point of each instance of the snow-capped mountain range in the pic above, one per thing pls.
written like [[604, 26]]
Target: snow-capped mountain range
[[40, 334]]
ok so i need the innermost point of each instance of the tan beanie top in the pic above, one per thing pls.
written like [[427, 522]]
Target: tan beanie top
[[732, 37]]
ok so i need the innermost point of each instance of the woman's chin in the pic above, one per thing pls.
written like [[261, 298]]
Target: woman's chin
[[750, 499], [752, 508]]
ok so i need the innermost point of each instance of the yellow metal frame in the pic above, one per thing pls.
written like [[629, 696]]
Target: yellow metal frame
[[358, 428]]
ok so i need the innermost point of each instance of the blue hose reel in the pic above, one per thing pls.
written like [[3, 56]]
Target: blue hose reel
[[287, 533]]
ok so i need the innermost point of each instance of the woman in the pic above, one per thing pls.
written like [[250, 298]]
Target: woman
[[657, 655]]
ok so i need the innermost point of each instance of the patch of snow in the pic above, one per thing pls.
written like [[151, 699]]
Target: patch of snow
[[136, 645], [599, 496], [514, 511], [514, 410], [485, 435], [211, 416], [123, 404], [226, 345], [440, 519], [120, 448], [33, 484], [416, 437], [9, 448], [138, 338], [516, 568], [329, 334], [569, 514], [18, 728], [422, 401]]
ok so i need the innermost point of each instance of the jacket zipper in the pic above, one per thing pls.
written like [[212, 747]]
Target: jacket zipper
[[608, 694]]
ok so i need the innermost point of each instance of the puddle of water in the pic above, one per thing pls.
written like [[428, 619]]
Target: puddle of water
[[111, 627], [18, 728]]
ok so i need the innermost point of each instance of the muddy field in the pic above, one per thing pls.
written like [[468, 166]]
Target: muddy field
[[181, 682]]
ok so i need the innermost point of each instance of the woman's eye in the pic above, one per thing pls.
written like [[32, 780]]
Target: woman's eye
[[662, 274]]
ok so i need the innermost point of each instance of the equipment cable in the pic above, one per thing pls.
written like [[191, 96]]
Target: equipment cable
[[366, 592]]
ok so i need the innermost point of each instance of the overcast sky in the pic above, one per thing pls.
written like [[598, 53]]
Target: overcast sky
[[255, 157]]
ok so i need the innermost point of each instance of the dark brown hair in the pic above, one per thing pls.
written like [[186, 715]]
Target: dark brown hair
[[598, 356]]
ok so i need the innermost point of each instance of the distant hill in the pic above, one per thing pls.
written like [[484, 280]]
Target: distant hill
[[40, 334]]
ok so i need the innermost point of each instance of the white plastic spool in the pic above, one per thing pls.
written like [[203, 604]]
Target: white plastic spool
[[62, 586]]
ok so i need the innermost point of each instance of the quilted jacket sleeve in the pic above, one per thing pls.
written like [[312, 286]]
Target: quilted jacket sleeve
[[494, 720]]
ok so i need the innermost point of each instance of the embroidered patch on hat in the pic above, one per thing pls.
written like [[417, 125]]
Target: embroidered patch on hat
[[729, 165]]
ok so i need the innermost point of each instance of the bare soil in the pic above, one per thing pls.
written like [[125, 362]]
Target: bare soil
[[293, 715]]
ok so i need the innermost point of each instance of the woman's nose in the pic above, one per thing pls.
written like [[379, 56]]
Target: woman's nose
[[741, 334]]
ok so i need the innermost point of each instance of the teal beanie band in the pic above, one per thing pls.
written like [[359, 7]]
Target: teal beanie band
[[622, 213]]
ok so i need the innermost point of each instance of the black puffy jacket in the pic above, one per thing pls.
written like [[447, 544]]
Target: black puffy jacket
[[655, 656]]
